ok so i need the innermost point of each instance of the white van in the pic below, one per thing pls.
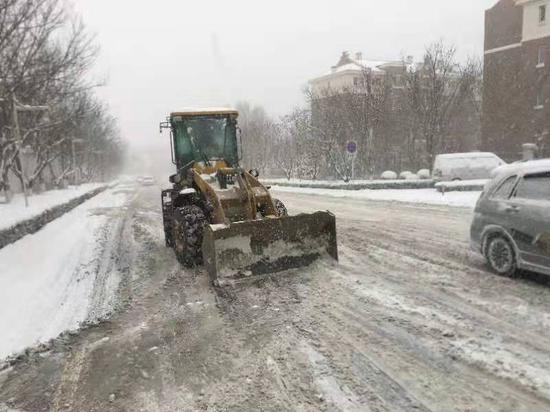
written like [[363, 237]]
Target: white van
[[465, 166]]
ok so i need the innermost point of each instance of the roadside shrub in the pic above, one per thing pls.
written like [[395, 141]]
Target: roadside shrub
[[389, 175], [424, 174]]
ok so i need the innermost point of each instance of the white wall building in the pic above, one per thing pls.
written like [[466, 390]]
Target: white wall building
[[350, 70]]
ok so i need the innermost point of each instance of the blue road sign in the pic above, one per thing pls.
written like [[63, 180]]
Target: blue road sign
[[352, 147]]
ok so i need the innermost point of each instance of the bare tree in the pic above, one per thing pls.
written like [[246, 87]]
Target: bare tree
[[436, 92], [258, 135], [45, 57], [350, 114], [285, 152]]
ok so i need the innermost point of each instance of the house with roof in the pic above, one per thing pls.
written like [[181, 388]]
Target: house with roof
[[350, 72]]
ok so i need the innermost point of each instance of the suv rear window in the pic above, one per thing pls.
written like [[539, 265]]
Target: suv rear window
[[535, 187], [505, 188]]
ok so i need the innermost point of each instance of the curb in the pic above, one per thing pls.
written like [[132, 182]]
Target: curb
[[33, 225], [441, 188], [401, 184]]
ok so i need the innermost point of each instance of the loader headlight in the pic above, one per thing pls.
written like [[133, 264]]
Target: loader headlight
[[254, 172]]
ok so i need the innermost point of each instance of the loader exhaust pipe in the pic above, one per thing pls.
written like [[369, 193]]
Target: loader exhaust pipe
[[244, 249]]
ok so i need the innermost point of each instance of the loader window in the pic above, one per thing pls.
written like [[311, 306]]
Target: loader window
[[205, 138]]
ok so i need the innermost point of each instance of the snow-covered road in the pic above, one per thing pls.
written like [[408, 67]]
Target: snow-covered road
[[422, 196], [407, 320], [62, 275]]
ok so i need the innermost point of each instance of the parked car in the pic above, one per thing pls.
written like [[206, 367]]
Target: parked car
[[511, 225], [147, 181], [465, 166]]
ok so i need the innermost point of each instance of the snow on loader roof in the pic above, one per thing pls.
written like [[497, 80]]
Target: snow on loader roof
[[204, 111]]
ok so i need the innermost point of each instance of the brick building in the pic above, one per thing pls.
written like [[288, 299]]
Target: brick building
[[516, 84]]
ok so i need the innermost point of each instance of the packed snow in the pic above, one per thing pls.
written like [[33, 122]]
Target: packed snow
[[426, 196], [53, 291], [15, 211]]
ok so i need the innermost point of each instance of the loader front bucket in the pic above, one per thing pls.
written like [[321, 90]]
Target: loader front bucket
[[240, 250]]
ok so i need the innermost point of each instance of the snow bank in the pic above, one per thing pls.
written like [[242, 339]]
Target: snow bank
[[48, 279], [426, 196], [353, 185], [15, 212]]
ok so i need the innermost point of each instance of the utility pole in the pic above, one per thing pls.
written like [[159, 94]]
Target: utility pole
[[76, 171], [99, 154], [17, 131]]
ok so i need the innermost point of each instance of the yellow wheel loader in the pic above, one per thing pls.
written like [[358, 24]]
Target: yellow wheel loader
[[220, 215]]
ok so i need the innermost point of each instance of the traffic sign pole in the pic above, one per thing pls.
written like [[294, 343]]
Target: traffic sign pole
[[351, 148]]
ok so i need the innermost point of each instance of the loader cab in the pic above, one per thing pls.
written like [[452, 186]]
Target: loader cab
[[204, 139]]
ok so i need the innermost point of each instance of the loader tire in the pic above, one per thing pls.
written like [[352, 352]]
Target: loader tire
[[189, 222], [281, 208]]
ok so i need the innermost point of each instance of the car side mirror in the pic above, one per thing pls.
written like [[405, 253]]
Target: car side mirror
[[175, 179]]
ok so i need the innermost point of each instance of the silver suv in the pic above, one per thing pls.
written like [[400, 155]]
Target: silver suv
[[511, 225]]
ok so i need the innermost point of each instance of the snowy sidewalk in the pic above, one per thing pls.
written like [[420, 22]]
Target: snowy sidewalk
[[426, 196], [48, 280], [16, 212]]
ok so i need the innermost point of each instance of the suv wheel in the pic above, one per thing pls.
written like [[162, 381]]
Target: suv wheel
[[501, 256]]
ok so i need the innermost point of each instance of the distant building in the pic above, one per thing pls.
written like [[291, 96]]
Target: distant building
[[350, 70], [516, 84]]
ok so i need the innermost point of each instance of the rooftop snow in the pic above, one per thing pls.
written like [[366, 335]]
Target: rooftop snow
[[190, 111], [541, 165], [376, 66]]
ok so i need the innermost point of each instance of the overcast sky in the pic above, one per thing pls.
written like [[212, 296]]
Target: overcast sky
[[160, 55]]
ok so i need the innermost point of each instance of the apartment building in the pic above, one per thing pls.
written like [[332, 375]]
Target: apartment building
[[516, 84]]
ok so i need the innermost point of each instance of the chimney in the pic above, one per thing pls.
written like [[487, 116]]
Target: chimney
[[344, 59], [358, 56], [529, 151]]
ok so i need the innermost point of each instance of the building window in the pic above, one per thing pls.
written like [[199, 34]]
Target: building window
[[542, 56], [540, 98], [542, 14], [357, 81]]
